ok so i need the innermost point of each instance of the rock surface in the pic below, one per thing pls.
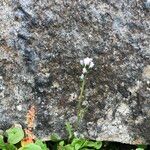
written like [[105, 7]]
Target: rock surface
[[41, 45]]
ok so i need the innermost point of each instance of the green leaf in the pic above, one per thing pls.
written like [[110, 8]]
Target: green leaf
[[60, 146], [2, 144], [69, 130], [55, 137], [96, 145], [61, 143], [78, 143], [87, 149], [15, 135], [142, 146], [31, 146], [10, 147], [83, 143], [139, 148], [41, 144], [68, 147]]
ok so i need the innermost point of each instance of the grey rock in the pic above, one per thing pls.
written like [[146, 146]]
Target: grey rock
[[41, 45]]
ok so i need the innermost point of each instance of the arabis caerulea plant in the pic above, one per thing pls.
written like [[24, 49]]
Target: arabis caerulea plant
[[87, 64]]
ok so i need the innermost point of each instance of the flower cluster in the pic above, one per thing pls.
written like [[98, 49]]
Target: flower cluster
[[147, 4], [87, 63]]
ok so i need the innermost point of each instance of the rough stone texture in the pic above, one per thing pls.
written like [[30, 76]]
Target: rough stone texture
[[41, 44]]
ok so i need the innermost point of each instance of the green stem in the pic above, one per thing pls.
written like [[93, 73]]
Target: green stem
[[81, 99]]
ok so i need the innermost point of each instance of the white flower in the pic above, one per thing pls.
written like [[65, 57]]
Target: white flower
[[81, 62], [82, 77], [91, 65], [84, 70], [19, 107], [76, 134], [87, 61]]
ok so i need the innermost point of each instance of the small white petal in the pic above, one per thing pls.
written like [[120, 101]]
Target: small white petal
[[87, 61], [91, 65], [82, 77], [19, 107], [81, 62], [84, 70], [76, 134]]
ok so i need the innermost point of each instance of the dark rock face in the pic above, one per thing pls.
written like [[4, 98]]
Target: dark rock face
[[41, 44]]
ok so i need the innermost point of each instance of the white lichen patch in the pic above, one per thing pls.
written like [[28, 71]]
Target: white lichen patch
[[135, 88], [139, 120], [56, 84], [123, 109], [73, 96], [85, 103], [146, 72], [113, 130], [109, 114]]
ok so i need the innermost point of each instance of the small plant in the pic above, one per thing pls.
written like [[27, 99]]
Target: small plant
[[30, 119], [77, 143], [19, 139], [29, 142], [80, 144], [14, 136], [87, 64]]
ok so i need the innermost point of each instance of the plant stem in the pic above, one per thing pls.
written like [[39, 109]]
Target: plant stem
[[81, 99]]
